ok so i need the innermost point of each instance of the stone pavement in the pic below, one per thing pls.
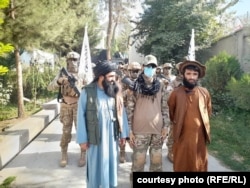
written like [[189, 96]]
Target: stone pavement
[[34, 158], [17, 136]]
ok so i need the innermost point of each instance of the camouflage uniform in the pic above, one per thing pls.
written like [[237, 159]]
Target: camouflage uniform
[[144, 141], [152, 141], [68, 103], [68, 114], [159, 72], [133, 70]]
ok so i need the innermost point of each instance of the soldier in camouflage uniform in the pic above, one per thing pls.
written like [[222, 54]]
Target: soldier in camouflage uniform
[[69, 93], [167, 72], [167, 78], [148, 118], [159, 71], [178, 79], [133, 70]]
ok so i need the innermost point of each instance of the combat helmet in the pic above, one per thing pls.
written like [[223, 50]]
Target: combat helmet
[[73, 61], [73, 55]]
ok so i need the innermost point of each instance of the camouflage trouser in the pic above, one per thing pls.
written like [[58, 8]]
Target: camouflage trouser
[[170, 140], [152, 142], [68, 114]]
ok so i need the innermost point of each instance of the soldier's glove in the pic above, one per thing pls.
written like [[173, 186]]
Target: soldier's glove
[[131, 139], [63, 80], [164, 133]]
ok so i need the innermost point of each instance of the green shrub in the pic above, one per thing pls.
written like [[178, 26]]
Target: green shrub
[[220, 70], [37, 79], [240, 91], [35, 83], [7, 182]]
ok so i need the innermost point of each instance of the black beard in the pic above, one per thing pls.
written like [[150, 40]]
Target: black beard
[[189, 85], [110, 88]]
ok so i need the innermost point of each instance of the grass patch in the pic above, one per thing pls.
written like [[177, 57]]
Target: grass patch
[[8, 115], [231, 139], [10, 111]]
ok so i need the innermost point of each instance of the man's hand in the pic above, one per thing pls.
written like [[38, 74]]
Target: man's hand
[[122, 141], [131, 139], [164, 133], [63, 80], [84, 146]]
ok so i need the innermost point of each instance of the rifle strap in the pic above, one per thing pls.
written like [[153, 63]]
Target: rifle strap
[[59, 95]]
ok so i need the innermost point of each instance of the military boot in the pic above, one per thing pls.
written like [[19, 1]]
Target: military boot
[[122, 156], [64, 159], [82, 160]]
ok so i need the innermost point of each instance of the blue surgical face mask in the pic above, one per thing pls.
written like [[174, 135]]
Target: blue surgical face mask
[[149, 71]]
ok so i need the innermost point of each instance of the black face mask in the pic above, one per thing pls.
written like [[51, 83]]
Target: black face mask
[[189, 85], [110, 88]]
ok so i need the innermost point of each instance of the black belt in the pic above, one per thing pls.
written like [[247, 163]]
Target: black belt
[[69, 103]]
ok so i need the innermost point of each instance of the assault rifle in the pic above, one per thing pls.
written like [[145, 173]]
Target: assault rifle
[[126, 80], [72, 80]]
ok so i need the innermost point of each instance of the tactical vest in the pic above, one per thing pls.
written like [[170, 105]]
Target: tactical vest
[[92, 117], [91, 114]]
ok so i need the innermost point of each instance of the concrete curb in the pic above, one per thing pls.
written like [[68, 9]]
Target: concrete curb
[[16, 138]]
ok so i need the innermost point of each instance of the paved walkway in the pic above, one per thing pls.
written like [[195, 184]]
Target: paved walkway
[[37, 165]]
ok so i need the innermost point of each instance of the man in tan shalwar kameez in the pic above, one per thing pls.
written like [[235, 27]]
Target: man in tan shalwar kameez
[[189, 109]]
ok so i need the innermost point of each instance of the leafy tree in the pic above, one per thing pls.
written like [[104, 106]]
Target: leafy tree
[[67, 26], [164, 29], [4, 48], [23, 32], [118, 14], [49, 24], [3, 70]]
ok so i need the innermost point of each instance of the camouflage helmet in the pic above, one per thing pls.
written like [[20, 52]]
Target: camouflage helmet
[[73, 55], [134, 66], [73, 61]]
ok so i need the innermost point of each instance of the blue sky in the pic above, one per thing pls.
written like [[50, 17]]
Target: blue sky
[[242, 7]]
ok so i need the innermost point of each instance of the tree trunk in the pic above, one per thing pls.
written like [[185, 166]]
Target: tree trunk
[[20, 104], [109, 31], [116, 22]]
